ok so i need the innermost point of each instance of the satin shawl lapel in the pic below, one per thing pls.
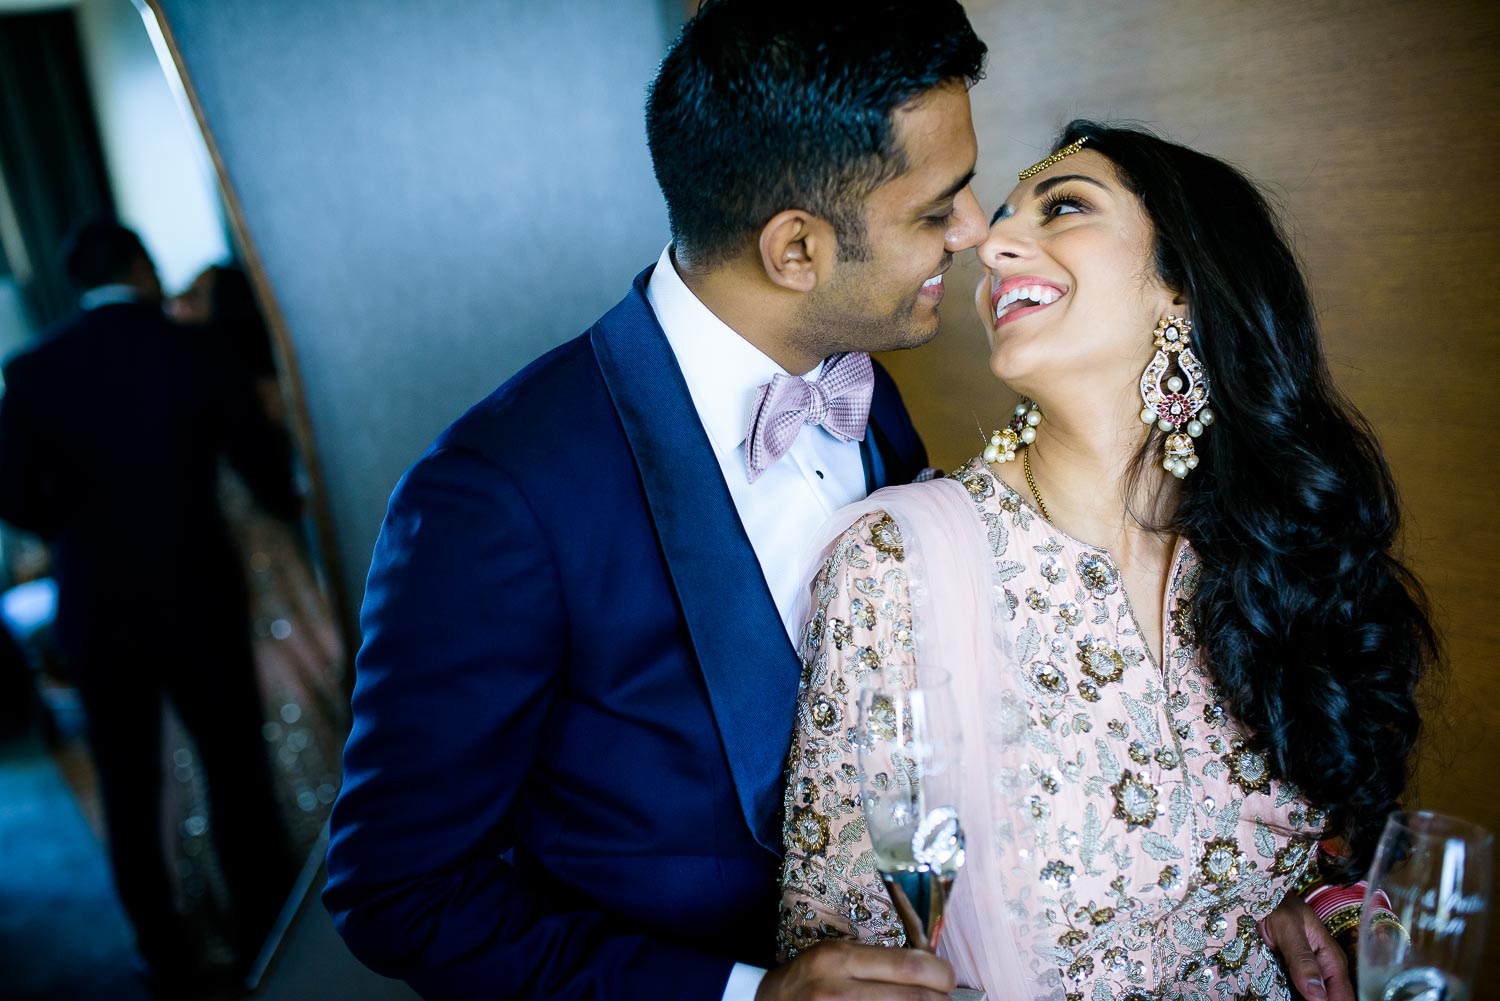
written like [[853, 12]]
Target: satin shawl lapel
[[876, 450], [748, 663]]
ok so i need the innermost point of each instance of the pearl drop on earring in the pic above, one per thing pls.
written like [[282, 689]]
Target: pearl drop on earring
[[1175, 402], [1020, 431]]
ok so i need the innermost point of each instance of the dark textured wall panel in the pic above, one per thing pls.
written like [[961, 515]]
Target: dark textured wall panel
[[438, 192]]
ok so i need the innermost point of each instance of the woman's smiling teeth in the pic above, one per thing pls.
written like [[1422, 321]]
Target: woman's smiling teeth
[[1027, 295]]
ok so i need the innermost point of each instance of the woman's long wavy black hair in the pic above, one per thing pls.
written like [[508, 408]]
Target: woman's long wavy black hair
[[1316, 634]]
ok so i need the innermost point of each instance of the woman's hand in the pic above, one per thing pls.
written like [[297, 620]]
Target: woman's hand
[[1314, 962]]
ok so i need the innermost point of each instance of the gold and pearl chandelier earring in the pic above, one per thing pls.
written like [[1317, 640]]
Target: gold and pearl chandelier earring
[[1020, 431], [1178, 401]]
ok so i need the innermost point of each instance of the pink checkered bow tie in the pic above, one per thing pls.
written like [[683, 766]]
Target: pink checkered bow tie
[[839, 400]]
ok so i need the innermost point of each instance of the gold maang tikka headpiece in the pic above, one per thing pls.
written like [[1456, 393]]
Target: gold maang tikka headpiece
[[1060, 155]]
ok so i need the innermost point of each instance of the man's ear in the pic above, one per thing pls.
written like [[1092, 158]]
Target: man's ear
[[797, 250]]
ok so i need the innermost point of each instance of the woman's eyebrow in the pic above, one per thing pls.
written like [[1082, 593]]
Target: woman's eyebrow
[[1042, 187]]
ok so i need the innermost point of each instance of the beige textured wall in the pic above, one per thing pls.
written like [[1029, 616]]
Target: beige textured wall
[[1375, 125]]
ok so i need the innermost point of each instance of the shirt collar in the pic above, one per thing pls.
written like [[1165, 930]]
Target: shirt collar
[[723, 371], [108, 295]]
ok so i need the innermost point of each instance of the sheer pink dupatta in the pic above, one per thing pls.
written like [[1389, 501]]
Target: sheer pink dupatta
[[956, 626]]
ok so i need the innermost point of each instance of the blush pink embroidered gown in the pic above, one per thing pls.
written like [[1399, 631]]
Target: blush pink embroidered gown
[[1122, 840]]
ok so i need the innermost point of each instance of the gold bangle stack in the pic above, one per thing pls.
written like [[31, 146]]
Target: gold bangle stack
[[1382, 918], [1344, 919]]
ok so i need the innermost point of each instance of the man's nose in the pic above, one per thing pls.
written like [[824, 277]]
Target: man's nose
[[967, 228]]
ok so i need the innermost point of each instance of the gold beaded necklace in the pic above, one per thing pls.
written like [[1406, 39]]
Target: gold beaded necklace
[[1031, 482]]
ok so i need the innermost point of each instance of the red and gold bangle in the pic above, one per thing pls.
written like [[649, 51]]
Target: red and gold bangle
[[1338, 907]]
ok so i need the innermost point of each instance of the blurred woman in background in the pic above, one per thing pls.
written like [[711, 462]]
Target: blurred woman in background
[[298, 653]]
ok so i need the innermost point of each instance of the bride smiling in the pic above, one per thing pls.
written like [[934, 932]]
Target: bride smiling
[[1167, 594]]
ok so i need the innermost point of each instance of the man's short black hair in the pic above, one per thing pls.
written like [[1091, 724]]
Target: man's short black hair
[[766, 105], [101, 253]]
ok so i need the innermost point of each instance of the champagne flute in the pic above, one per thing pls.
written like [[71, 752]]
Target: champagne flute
[[909, 752], [1434, 871]]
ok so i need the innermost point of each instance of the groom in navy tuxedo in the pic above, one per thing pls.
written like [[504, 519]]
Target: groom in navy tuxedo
[[576, 687]]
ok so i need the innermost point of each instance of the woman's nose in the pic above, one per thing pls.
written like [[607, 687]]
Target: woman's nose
[[1007, 241]]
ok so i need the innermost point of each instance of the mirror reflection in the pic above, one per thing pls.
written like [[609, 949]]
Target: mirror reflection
[[172, 685]]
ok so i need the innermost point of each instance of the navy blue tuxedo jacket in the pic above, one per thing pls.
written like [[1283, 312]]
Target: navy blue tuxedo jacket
[[111, 432], [574, 695]]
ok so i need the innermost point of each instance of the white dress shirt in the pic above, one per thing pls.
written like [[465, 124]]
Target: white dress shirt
[[794, 496], [789, 501]]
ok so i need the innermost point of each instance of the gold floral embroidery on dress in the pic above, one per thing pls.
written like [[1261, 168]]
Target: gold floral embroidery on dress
[[1221, 860], [1158, 835], [826, 713], [1135, 800], [1183, 588], [1057, 874], [1182, 621], [830, 888], [1248, 769], [1098, 575], [885, 536], [1237, 952], [1293, 857], [1049, 678], [981, 485], [809, 830], [840, 633], [1100, 661], [1053, 571]]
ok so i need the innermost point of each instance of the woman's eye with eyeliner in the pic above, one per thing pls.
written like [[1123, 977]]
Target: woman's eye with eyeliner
[[1060, 205]]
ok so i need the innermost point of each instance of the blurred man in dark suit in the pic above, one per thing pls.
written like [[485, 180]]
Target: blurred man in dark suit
[[111, 432]]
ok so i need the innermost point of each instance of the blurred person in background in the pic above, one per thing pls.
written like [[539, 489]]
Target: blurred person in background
[[299, 655], [111, 432], [221, 302]]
